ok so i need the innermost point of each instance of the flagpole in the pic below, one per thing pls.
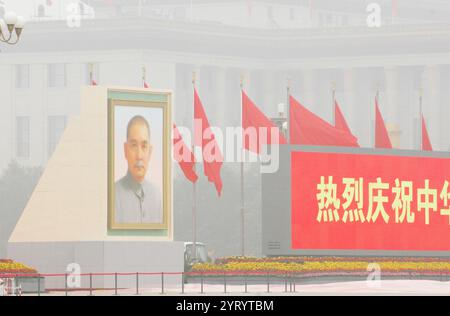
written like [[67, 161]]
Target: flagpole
[[242, 178], [378, 95], [194, 184], [288, 111], [333, 102], [194, 212], [91, 75], [377, 104], [144, 75], [420, 119]]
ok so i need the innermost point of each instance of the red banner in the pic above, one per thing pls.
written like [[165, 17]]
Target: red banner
[[370, 202]]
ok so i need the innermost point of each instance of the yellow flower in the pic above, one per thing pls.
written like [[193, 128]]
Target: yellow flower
[[282, 265], [15, 267]]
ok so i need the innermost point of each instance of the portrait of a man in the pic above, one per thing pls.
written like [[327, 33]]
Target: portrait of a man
[[139, 163], [137, 200]]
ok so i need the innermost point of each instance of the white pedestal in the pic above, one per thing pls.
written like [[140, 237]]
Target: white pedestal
[[104, 257]]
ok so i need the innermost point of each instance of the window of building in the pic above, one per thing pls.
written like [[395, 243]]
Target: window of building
[[270, 13], [41, 11], [23, 137], [22, 76], [320, 20], [56, 75], [329, 20], [56, 126], [292, 14]]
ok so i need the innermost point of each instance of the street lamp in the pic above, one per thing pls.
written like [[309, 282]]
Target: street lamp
[[11, 23]]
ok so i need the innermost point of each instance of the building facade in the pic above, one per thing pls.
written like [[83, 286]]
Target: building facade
[[311, 45]]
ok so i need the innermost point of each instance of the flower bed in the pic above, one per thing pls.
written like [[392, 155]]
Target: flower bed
[[331, 259], [10, 267], [323, 266]]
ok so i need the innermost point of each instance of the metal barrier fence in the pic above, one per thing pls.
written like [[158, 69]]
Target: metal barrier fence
[[187, 282], [183, 283]]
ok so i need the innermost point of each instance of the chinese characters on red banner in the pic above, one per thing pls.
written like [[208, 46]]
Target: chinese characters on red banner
[[349, 206], [368, 201]]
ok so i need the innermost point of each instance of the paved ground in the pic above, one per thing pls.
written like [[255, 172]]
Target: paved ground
[[384, 287]]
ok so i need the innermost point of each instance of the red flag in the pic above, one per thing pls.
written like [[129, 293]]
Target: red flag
[[94, 83], [306, 128], [184, 156], [146, 85], [381, 134], [426, 143], [339, 119], [252, 117], [212, 157]]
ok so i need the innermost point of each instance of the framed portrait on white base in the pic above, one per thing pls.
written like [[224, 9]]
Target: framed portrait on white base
[[139, 163]]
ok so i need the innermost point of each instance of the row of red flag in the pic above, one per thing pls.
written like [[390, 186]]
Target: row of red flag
[[305, 128], [211, 167]]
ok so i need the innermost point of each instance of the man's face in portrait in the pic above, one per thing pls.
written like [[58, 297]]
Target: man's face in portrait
[[138, 150]]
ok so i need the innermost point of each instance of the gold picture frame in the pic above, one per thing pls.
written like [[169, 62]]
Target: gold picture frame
[[166, 186]]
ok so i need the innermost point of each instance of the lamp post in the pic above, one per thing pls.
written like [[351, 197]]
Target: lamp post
[[281, 120], [10, 24]]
